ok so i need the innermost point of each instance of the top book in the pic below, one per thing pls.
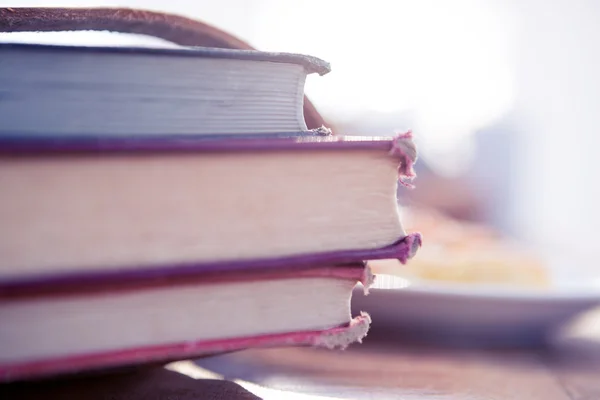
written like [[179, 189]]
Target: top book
[[52, 90]]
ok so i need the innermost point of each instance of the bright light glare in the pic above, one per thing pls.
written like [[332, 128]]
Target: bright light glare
[[194, 371], [449, 63]]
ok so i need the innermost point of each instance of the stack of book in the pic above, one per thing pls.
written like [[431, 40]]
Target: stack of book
[[162, 204]]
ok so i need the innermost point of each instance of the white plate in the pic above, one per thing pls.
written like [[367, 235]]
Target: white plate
[[464, 313]]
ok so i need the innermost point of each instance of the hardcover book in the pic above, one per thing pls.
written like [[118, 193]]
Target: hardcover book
[[72, 91], [103, 206], [56, 330], [164, 204]]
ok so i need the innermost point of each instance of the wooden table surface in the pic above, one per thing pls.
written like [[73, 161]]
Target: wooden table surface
[[386, 366]]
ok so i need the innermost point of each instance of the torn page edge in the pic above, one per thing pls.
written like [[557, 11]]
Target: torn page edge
[[367, 279], [404, 148], [341, 338], [321, 131]]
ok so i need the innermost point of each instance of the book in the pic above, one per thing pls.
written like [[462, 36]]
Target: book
[[172, 28], [165, 204], [79, 91], [72, 208], [60, 330]]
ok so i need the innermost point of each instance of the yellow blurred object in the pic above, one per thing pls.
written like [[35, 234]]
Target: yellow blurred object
[[480, 268], [463, 252]]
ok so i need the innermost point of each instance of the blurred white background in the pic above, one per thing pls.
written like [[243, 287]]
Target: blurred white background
[[503, 95]]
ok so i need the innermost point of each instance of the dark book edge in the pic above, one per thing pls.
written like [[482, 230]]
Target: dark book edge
[[14, 144], [403, 250], [310, 63]]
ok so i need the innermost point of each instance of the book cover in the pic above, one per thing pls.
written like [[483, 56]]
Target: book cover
[[123, 352], [173, 28], [311, 64], [399, 147], [334, 338], [402, 250]]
